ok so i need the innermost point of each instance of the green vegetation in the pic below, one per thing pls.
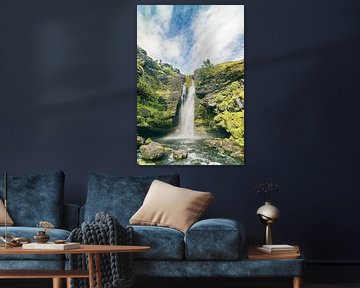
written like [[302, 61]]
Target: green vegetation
[[220, 89], [159, 87], [216, 77], [188, 80], [206, 63], [232, 122]]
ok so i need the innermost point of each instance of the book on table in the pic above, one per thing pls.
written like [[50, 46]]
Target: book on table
[[51, 246], [255, 254], [278, 249]]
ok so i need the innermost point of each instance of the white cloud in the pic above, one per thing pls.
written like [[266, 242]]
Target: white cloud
[[153, 23], [164, 15], [218, 35]]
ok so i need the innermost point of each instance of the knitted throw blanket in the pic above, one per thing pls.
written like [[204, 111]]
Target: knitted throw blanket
[[116, 268]]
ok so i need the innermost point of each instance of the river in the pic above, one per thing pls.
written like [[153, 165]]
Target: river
[[198, 153], [185, 137]]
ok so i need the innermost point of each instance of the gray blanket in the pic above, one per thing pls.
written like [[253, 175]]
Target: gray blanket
[[116, 268]]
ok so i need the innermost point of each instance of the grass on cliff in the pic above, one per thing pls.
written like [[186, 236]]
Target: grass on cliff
[[232, 122], [221, 88], [155, 108], [221, 74], [188, 81]]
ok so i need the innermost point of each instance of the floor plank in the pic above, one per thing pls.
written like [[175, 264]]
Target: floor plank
[[46, 283]]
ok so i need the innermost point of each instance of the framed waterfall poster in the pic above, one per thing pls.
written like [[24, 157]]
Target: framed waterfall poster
[[190, 85]]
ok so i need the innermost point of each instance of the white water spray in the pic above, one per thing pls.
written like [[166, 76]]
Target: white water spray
[[187, 115], [186, 127]]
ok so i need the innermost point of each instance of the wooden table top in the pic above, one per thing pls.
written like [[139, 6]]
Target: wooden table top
[[254, 254], [91, 249]]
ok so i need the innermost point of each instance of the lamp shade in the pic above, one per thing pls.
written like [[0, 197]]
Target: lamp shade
[[268, 211]]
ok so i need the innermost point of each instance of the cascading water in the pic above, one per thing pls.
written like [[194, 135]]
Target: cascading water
[[186, 127], [187, 110], [183, 95]]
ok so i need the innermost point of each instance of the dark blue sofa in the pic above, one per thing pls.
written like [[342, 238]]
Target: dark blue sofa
[[210, 248], [32, 199]]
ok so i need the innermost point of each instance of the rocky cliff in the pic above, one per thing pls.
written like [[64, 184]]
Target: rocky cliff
[[220, 105], [159, 88]]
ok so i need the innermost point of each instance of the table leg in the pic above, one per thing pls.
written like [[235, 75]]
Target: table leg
[[57, 283], [297, 282], [68, 282], [98, 270], [91, 270]]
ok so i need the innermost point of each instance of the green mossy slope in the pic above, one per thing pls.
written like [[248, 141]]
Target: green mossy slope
[[220, 108], [159, 87]]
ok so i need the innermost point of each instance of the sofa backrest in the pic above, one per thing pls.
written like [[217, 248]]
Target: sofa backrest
[[120, 196], [35, 198]]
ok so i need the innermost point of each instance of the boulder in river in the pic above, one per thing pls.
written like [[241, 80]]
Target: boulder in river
[[152, 151], [139, 141], [180, 154], [226, 147]]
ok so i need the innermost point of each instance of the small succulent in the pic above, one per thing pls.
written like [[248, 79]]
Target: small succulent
[[264, 189], [45, 225]]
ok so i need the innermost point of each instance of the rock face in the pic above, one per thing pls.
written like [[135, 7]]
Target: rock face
[[152, 151], [226, 146], [217, 77], [159, 88], [180, 154], [139, 141], [220, 89]]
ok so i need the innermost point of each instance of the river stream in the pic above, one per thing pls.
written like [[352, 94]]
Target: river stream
[[198, 153]]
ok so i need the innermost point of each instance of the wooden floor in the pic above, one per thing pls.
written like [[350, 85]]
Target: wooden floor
[[45, 283], [339, 285]]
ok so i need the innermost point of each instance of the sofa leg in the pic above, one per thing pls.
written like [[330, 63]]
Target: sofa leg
[[297, 282], [57, 283]]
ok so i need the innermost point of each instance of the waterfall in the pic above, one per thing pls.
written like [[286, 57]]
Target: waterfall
[[187, 111], [186, 127], [183, 95]]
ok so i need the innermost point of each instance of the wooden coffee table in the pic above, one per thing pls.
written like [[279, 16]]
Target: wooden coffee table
[[92, 251]]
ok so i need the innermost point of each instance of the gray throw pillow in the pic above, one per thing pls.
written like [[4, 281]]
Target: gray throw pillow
[[35, 198]]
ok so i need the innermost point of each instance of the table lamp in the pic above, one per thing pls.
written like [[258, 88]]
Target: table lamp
[[268, 214]]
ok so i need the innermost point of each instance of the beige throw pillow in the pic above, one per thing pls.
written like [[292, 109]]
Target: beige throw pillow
[[170, 206], [9, 221]]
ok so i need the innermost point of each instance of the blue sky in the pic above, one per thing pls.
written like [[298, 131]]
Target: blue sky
[[187, 35]]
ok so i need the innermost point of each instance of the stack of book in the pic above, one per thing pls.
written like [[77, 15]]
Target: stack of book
[[279, 249], [51, 246], [274, 252]]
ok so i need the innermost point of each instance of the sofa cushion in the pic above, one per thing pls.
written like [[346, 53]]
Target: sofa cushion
[[35, 198], [165, 243], [119, 196], [9, 221], [169, 206], [214, 239], [29, 232]]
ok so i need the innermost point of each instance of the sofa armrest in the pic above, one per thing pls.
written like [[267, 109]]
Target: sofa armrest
[[71, 216], [215, 239]]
